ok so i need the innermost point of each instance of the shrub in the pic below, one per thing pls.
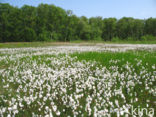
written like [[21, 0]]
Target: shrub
[[115, 39], [130, 39], [148, 38]]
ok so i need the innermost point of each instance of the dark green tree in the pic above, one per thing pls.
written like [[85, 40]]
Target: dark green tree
[[52, 23], [150, 26], [109, 28]]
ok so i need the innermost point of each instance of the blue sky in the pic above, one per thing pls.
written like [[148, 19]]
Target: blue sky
[[106, 8]]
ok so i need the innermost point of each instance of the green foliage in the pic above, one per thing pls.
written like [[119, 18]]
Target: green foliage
[[130, 39], [29, 34], [115, 39], [109, 28], [150, 26], [51, 23], [44, 36], [148, 38]]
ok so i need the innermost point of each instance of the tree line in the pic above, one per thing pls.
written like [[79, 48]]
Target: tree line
[[51, 23]]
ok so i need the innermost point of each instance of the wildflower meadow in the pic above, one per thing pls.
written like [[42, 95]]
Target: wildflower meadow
[[78, 81]]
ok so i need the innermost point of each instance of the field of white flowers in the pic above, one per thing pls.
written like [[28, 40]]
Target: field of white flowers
[[53, 81]]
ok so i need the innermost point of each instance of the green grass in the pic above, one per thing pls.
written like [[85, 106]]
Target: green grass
[[104, 57], [44, 44], [26, 44], [147, 58], [114, 42], [120, 59]]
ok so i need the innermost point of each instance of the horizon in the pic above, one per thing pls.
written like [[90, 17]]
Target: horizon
[[104, 9]]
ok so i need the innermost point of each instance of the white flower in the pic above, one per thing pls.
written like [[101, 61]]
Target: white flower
[[130, 83], [54, 108], [58, 113]]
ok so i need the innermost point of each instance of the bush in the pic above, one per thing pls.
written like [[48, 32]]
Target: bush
[[115, 39], [130, 39], [97, 39], [148, 38]]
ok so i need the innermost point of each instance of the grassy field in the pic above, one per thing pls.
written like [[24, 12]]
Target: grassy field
[[44, 44], [77, 82]]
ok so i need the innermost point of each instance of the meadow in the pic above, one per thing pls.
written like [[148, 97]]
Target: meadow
[[71, 43], [101, 80]]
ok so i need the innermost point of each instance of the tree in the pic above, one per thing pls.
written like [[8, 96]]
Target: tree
[[48, 22], [109, 28], [28, 35], [5, 10], [138, 29], [150, 26], [84, 29], [96, 24]]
